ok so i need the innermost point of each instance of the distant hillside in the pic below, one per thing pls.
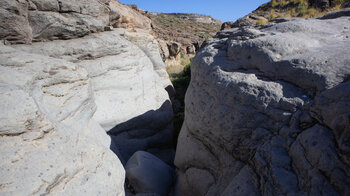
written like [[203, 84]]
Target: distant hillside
[[183, 28], [268, 12], [299, 8]]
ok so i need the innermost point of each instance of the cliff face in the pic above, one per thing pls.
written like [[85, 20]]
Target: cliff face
[[267, 112], [78, 79]]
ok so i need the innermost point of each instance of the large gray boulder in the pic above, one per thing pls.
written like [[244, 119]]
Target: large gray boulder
[[49, 142], [267, 112], [148, 174]]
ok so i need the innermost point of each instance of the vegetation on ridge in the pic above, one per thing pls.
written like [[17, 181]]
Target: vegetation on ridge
[[170, 27], [296, 8]]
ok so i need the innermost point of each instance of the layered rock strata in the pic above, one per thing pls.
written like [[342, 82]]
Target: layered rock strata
[[267, 112]]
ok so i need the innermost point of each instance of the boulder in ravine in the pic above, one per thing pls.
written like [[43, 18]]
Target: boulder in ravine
[[267, 112], [174, 49], [148, 174], [49, 142], [164, 51]]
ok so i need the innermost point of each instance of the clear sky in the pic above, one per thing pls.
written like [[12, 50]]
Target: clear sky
[[224, 10]]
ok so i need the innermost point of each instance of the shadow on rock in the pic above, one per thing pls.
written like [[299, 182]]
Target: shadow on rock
[[151, 132]]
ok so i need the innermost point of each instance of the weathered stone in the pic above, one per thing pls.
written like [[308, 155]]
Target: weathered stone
[[164, 51], [14, 26], [148, 174], [190, 49], [128, 91], [46, 5], [150, 46], [257, 109], [126, 17], [48, 143], [174, 49], [226, 25], [332, 15], [61, 97]]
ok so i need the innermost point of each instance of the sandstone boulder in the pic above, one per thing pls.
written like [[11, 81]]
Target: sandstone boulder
[[132, 103], [267, 112], [49, 142]]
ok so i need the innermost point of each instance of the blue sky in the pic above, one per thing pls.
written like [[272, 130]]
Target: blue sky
[[224, 10]]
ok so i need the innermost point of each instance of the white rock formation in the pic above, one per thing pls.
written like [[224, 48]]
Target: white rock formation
[[125, 86], [48, 139], [61, 96]]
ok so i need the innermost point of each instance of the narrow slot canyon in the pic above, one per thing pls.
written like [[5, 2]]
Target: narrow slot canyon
[[104, 98]]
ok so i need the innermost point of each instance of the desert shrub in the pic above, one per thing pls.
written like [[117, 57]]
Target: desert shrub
[[338, 2], [311, 12], [273, 15], [280, 15], [261, 22], [182, 55], [274, 3]]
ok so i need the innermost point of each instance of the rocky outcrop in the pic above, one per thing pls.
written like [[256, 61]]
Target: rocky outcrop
[[42, 20], [248, 20], [267, 112], [74, 83], [49, 142], [127, 17], [125, 89]]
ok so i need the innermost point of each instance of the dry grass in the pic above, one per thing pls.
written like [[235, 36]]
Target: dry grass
[[261, 22], [294, 8]]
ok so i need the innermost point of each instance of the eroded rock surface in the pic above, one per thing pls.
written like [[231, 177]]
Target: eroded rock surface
[[44, 20], [48, 137], [267, 112], [71, 85]]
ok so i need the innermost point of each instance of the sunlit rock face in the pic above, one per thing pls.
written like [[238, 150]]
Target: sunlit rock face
[[267, 112], [49, 142], [78, 96]]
